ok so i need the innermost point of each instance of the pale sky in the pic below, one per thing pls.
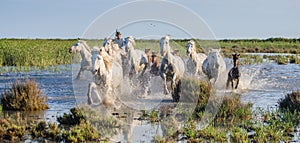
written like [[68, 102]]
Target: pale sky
[[227, 19]]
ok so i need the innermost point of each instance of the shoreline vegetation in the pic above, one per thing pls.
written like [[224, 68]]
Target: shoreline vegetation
[[27, 54], [234, 122]]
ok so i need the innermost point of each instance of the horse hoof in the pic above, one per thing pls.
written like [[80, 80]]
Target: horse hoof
[[167, 92]]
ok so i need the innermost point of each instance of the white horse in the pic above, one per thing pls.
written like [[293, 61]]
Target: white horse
[[172, 68], [117, 53], [107, 79], [138, 60], [214, 65], [87, 55], [114, 50], [195, 61]]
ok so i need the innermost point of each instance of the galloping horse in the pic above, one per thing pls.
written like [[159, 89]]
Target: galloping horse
[[214, 65], [86, 55], [195, 61], [138, 60], [234, 73], [171, 69], [114, 50], [108, 79]]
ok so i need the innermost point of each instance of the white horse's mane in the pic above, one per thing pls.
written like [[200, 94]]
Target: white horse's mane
[[85, 45]]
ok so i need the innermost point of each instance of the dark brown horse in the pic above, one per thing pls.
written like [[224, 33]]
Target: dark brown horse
[[234, 73]]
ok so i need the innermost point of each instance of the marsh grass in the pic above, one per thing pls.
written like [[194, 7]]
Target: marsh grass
[[12, 128], [196, 90], [24, 96], [282, 60], [35, 52], [105, 125], [232, 110], [82, 132], [295, 59], [73, 118], [46, 131], [291, 102], [28, 54]]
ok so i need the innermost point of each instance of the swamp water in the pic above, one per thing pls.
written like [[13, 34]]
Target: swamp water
[[262, 84]]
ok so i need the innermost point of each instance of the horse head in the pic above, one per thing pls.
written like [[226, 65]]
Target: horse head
[[190, 47], [107, 44], [129, 43], [164, 45], [79, 47], [235, 58], [98, 66], [214, 56], [75, 48]]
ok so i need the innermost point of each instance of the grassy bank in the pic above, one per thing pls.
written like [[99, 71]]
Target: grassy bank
[[42, 53], [34, 52]]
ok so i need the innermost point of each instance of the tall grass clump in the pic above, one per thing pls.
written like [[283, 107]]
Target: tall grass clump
[[196, 90], [232, 110], [295, 59], [291, 102], [24, 96], [11, 131], [281, 60]]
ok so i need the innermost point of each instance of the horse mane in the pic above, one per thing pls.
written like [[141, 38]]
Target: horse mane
[[108, 60], [85, 45]]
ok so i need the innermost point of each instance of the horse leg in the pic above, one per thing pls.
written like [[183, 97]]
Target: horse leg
[[176, 92], [80, 73], [237, 83], [145, 83], [92, 87], [165, 84], [173, 85], [227, 83]]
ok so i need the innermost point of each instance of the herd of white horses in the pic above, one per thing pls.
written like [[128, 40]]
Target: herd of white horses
[[110, 64]]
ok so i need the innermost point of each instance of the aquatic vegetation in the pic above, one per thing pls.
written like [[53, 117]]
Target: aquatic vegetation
[[295, 59], [152, 116], [232, 110], [24, 96], [159, 139], [12, 129], [84, 131], [81, 133], [281, 60], [46, 131], [169, 127], [74, 118], [258, 59], [239, 135], [105, 125], [195, 90], [247, 60], [291, 102]]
